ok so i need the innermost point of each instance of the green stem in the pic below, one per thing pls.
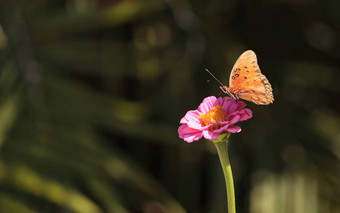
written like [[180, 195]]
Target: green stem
[[222, 149]]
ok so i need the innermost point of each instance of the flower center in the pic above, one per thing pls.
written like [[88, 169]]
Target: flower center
[[214, 116]]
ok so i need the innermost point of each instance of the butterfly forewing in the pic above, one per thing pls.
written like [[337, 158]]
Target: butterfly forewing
[[243, 63], [247, 82]]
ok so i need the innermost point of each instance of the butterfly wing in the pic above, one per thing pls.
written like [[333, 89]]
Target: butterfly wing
[[247, 81]]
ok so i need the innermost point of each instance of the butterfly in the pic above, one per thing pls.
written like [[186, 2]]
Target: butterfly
[[247, 82]]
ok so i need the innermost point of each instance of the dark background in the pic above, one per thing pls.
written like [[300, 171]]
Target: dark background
[[92, 92]]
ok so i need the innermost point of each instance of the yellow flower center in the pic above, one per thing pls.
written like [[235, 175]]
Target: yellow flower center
[[214, 116]]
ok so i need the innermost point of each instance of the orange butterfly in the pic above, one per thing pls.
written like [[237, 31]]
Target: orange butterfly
[[247, 82]]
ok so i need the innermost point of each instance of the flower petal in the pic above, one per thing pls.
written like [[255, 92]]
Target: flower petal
[[219, 101], [245, 114], [230, 105], [234, 129], [207, 104], [195, 125], [188, 134], [240, 105], [210, 135], [192, 116], [234, 119], [192, 119], [223, 128]]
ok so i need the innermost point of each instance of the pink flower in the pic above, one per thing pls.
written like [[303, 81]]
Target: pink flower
[[213, 117]]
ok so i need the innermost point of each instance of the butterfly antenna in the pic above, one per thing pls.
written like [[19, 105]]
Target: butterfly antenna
[[214, 77]]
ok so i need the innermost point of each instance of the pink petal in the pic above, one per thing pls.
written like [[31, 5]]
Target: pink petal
[[195, 125], [207, 104], [228, 128], [188, 134], [240, 105], [234, 129], [223, 128], [230, 105], [223, 123], [190, 116], [192, 119], [245, 114], [193, 138], [210, 135], [234, 119], [219, 101]]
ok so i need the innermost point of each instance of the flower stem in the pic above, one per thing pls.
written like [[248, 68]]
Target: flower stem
[[222, 149]]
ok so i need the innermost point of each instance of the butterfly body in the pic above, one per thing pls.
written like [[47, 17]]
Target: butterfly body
[[247, 82]]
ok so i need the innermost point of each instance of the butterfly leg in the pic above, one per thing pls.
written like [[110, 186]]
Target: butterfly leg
[[233, 95], [236, 97]]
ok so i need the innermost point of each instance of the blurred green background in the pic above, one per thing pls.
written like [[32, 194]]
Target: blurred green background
[[92, 91]]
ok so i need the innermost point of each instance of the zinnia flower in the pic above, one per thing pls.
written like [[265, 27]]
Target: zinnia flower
[[213, 117]]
